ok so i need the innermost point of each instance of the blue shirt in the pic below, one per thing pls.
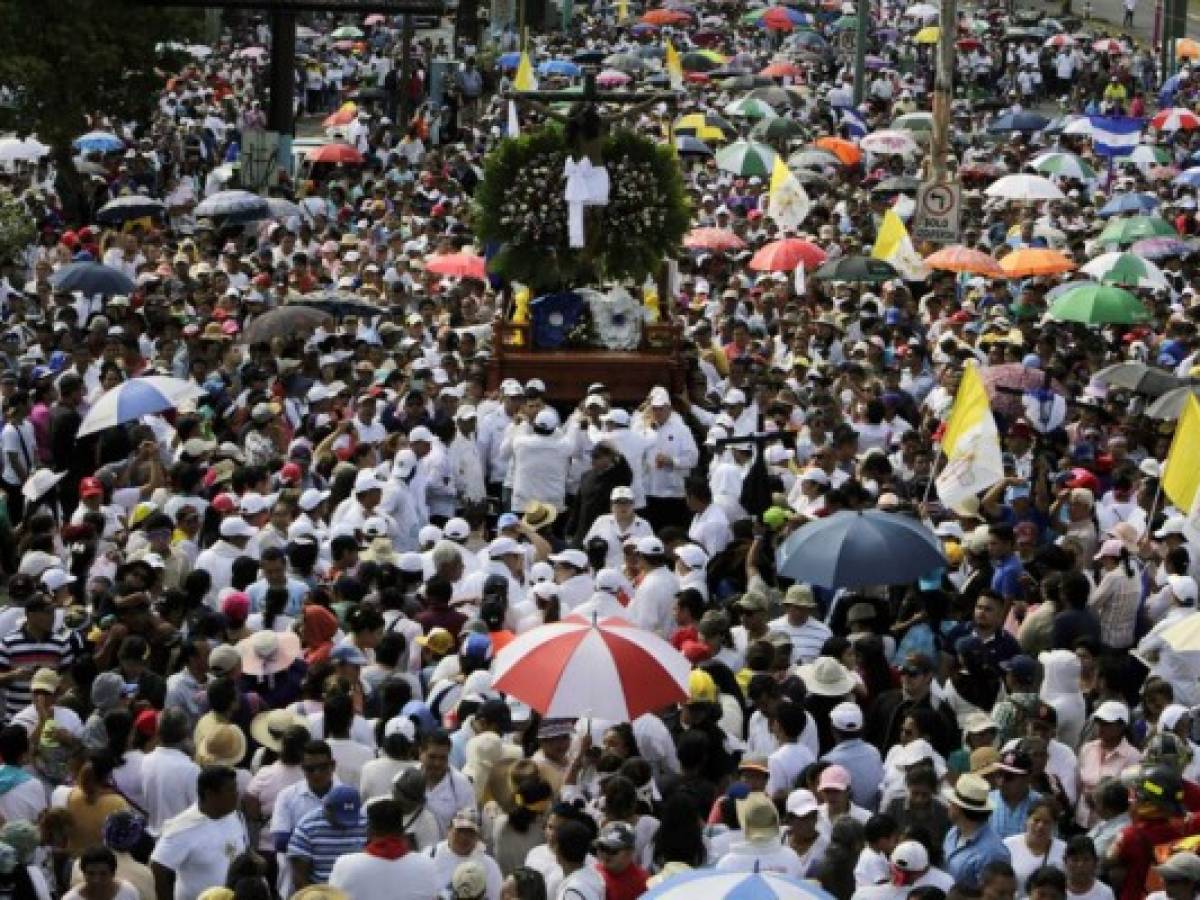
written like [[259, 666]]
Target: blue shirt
[[1009, 820], [297, 591], [321, 842], [1006, 577], [965, 859], [862, 761]]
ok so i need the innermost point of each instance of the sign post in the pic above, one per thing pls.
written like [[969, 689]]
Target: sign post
[[939, 208]]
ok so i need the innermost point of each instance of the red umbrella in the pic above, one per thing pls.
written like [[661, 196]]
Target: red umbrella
[[777, 19], [458, 265], [784, 255], [697, 77], [715, 239], [336, 153], [782, 70], [607, 670], [666, 17]]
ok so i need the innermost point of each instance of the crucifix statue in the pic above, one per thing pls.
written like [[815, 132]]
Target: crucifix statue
[[587, 181]]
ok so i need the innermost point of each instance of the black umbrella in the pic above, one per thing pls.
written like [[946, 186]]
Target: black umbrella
[[589, 56], [91, 278], [897, 184], [856, 268], [290, 320], [123, 209], [339, 305], [688, 145]]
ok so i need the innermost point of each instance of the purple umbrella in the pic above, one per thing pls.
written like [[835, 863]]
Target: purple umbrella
[[1161, 247], [888, 34], [875, 62]]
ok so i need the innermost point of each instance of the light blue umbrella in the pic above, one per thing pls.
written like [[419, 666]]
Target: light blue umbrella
[[92, 278], [1190, 177], [856, 549], [713, 884], [510, 61], [562, 67], [136, 398], [104, 141], [1129, 203]]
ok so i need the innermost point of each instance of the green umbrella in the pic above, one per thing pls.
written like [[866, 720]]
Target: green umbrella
[[857, 268], [746, 158], [778, 97], [1126, 270], [1126, 231], [746, 82], [1099, 304], [779, 129], [1067, 164], [751, 109], [845, 23], [347, 32]]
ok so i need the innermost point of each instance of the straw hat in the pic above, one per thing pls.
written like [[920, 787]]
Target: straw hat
[[224, 745], [826, 677], [267, 652], [267, 728], [971, 793], [539, 514]]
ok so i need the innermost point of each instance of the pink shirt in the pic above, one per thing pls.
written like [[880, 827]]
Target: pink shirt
[[1096, 764]]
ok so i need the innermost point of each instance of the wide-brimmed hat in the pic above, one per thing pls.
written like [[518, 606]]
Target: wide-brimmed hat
[[224, 745], [970, 792], [267, 652], [758, 817], [539, 514], [268, 728], [826, 677]]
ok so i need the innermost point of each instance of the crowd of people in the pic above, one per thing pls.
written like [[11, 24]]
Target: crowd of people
[[248, 642]]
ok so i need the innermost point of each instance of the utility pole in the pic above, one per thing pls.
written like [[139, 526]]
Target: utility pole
[[943, 91], [281, 113], [860, 50], [406, 36]]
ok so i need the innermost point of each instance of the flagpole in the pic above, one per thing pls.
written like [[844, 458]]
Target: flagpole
[[932, 475]]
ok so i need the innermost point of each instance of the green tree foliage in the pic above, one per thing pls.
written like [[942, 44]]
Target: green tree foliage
[[17, 229]]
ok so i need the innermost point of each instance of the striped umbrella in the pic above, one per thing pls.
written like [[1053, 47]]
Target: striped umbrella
[[713, 884], [751, 109], [609, 669], [1126, 270], [1177, 118], [1065, 165], [1147, 155], [136, 398], [746, 158]]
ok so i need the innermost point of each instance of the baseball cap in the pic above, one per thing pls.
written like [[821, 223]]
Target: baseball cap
[[576, 559], [692, 556], [91, 487], [910, 856], [801, 802], [456, 530], [650, 546], [235, 527], [53, 579], [621, 493], [468, 881], [344, 805], [1112, 711], [466, 817], [402, 726], [846, 717], [834, 778], [350, 655], [438, 641], [615, 837], [223, 659], [1023, 668]]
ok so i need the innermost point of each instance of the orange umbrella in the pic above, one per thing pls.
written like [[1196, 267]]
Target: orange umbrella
[[344, 116], [844, 150], [964, 259], [458, 265], [1035, 261], [666, 17], [782, 70], [786, 254], [716, 239]]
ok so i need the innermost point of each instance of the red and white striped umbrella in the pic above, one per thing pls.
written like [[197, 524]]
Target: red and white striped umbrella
[[609, 669], [1109, 45], [1060, 40], [1175, 119]]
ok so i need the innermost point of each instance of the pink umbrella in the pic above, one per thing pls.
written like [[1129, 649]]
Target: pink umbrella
[[374, 19], [1006, 385], [612, 78]]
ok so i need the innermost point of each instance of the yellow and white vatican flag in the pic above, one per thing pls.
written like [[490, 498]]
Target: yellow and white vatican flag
[[787, 201], [674, 66], [970, 442], [893, 245], [524, 80], [1181, 472]]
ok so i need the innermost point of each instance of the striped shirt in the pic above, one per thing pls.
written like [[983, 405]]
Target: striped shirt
[[321, 842], [21, 650]]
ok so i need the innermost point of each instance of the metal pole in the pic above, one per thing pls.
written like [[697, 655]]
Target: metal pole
[[1165, 47], [406, 36], [281, 114], [860, 50], [943, 91]]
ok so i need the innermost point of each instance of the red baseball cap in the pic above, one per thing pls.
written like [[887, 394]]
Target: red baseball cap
[[290, 473], [91, 487], [224, 503]]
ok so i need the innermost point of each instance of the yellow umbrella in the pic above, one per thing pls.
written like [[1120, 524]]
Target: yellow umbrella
[[1187, 49], [928, 35], [696, 124]]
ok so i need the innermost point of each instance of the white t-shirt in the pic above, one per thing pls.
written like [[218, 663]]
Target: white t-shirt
[[22, 443], [785, 765], [1098, 891], [582, 884], [377, 776], [366, 877], [1025, 863], [125, 891], [349, 757], [200, 854]]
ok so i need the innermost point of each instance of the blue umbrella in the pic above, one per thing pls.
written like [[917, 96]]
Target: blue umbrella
[[104, 141], [563, 67], [1022, 121], [1129, 203], [510, 61], [855, 549], [137, 398], [92, 278], [714, 884], [1190, 177], [233, 206]]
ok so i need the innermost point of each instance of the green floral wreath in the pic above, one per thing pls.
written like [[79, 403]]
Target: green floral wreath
[[519, 206]]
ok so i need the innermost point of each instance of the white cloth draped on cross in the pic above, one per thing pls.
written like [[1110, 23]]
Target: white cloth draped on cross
[[587, 185]]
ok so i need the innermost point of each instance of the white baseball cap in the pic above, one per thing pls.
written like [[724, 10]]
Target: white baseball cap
[[253, 504], [422, 434], [576, 559], [692, 556], [502, 546], [312, 498], [54, 579], [401, 725], [616, 416], [546, 419], [801, 802], [456, 529], [910, 856], [1182, 586], [610, 581], [235, 527], [367, 480], [1112, 711], [847, 717], [650, 546], [621, 493]]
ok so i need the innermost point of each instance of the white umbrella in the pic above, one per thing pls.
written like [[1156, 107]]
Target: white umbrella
[[921, 11], [889, 142], [16, 150], [1024, 187], [1142, 272], [40, 483], [136, 398]]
